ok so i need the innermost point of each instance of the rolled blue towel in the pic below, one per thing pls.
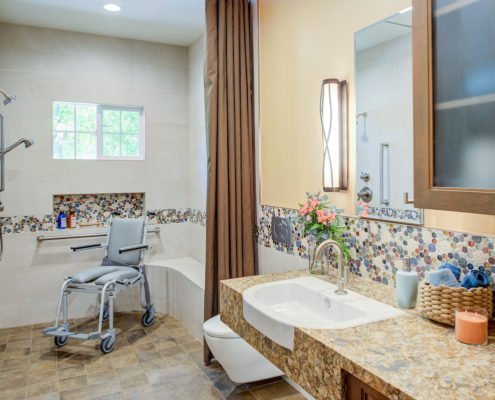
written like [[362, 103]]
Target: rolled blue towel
[[455, 270], [474, 279], [443, 277]]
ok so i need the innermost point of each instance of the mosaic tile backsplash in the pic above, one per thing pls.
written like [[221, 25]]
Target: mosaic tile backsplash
[[375, 246], [99, 208]]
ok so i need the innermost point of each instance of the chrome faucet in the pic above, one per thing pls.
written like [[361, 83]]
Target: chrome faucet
[[342, 271]]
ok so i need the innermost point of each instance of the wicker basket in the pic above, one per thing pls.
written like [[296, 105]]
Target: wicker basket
[[440, 302]]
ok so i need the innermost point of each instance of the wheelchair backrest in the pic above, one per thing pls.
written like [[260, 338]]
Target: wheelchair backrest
[[125, 232]]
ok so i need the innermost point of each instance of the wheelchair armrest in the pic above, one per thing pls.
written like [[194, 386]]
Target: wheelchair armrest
[[86, 247], [133, 248]]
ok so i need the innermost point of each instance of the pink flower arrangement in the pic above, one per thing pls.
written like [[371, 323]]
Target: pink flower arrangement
[[321, 221], [325, 216]]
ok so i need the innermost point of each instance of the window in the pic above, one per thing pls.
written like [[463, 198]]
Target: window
[[97, 132]]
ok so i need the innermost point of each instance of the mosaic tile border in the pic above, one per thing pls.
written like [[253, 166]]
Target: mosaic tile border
[[47, 223], [400, 215], [375, 245], [99, 207]]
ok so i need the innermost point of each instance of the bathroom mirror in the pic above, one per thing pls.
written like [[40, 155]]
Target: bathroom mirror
[[384, 123]]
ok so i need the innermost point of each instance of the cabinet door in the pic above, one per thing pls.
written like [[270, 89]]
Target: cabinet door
[[454, 105], [358, 390]]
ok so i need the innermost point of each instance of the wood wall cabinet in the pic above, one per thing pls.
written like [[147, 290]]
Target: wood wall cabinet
[[454, 105], [358, 390]]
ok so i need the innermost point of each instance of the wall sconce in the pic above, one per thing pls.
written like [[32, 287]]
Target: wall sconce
[[333, 116]]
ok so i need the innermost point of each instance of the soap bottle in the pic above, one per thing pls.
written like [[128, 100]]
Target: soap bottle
[[406, 285], [71, 219], [62, 220]]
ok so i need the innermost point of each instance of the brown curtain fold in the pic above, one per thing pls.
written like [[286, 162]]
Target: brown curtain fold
[[231, 200]]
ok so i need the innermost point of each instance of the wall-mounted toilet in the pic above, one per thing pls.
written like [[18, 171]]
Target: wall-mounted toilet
[[241, 361]]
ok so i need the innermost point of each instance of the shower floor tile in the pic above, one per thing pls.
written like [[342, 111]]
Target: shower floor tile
[[160, 362]]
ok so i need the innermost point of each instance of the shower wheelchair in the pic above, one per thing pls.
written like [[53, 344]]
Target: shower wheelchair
[[121, 269]]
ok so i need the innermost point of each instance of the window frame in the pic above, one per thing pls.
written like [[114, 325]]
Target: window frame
[[99, 131]]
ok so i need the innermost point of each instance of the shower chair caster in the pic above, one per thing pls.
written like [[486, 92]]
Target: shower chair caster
[[60, 341], [148, 317], [107, 345], [106, 313]]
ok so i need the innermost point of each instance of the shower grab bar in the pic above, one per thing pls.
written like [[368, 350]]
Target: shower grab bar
[[43, 238], [384, 173]]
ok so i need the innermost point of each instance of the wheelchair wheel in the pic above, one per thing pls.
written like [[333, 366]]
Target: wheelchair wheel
[[148, 317], [60, 341], [107, 345], [106, 313]]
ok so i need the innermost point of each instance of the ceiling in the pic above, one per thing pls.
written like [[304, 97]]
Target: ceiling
[[385, 30], [178, 22]]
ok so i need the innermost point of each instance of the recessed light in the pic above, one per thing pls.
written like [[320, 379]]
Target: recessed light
[[112, 7]]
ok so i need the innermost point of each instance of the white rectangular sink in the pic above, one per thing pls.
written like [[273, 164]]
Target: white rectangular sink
[[275, 308]]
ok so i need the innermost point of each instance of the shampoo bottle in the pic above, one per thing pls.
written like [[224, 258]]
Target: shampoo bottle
[[406, 285], [62, 220]]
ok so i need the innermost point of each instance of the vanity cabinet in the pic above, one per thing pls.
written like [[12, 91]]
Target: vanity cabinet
[[454, 105], [358, 390]]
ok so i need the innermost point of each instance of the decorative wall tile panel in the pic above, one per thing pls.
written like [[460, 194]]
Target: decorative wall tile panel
[[399, 215], [375, 245], [99, 208], [30, 223], [198, 217]]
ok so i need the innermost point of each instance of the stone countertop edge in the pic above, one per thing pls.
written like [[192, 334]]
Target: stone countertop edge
[[404, 358]]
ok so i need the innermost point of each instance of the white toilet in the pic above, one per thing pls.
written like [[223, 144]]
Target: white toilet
[[241, 361]]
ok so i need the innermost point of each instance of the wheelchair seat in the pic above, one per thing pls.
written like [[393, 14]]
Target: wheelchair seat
[[104, 274]]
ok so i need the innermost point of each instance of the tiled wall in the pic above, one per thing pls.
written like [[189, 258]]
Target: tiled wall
[[109, 71], [375, 245], [99, 207]]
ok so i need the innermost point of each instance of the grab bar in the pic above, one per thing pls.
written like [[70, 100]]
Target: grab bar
[[43, 238], [384, 173]]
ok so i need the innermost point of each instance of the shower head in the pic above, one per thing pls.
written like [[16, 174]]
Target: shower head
[[27, 143], [7, 98]]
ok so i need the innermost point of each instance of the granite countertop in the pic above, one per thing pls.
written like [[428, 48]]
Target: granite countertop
[[404, 358]]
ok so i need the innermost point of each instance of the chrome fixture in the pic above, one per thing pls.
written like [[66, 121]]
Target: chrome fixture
[[333, 116], [385, 174], [342, 271], [7, 98], [43, 238], [365, 177], [27, 143], [365, 194]]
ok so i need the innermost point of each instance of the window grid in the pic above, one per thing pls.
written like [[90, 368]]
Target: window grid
[[99, 133]]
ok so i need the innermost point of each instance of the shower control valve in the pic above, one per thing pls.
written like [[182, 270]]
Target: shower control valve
[[365, 194]]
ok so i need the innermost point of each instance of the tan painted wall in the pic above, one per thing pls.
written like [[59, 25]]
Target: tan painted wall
[[301, 43]]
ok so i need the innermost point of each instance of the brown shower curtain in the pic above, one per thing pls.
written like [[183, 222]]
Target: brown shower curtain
[[231, 201]]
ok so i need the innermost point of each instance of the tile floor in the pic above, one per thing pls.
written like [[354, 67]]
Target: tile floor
[[160, 362]]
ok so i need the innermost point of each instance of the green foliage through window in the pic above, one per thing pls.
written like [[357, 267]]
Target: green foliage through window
[[77, 127]]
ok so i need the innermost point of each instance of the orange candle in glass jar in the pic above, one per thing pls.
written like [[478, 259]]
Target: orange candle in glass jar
[[471, 327]]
